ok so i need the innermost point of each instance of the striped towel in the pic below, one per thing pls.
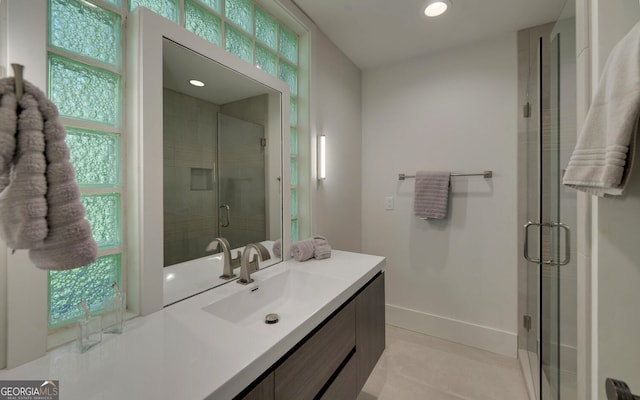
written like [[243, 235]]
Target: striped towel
[[602, 160], [431, 194]]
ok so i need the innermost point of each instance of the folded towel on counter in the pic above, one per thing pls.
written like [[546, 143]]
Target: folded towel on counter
[[602, 160], [277, 248], [431, 197], [322, 248], [303, 250], [40, 206]]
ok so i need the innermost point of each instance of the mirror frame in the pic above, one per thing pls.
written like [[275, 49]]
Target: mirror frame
[[143, 145]]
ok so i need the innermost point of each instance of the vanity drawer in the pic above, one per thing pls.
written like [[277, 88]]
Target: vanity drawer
[[344, 385], [306, 371]]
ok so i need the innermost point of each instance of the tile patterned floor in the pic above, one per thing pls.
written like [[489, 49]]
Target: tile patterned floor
[[419, 367]]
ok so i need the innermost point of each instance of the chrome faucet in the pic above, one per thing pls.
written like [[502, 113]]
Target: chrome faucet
[[230, 263], [248, 267]]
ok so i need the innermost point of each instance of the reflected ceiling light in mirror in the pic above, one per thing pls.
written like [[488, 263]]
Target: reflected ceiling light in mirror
[[196, 83], [322, 157], [435, 8]]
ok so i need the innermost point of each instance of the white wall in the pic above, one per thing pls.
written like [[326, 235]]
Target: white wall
[[455, 110], [616, 261], [336, 102]]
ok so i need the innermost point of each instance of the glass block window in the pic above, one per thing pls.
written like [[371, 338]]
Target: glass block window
[[294, 203], [266, 60], [293, 141], [266, 29], [95, 156], [84, 92], [92, 283], [236, 42], [294, 172], [289, 75], [288, 45], [295, 236], [169, 9], [240, 12], [85, 80], [85, 30], [293, 115], [202, 22], [214, 4], [103, 213]]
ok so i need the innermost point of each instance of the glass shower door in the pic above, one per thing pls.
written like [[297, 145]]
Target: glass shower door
[[551, 210], [241, 175]]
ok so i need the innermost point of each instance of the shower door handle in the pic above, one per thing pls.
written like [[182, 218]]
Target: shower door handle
[[228, 222], [567, 242], [526, 242], [560, 225]]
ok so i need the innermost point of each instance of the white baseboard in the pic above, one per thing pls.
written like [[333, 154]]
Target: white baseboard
[[482, 337]]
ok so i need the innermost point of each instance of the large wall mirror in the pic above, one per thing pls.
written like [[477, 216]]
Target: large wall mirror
[[210, 158]]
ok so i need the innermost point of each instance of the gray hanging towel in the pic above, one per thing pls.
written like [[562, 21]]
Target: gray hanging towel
[[40, 206], [431, 196]]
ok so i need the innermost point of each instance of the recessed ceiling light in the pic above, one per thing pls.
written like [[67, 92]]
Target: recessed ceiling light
[[436, 7], [196, 82]]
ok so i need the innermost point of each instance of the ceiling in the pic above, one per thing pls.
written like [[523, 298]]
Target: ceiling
[[222, 85], [373, 33]]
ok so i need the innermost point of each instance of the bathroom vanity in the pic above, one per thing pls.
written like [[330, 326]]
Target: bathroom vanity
[[335, 359], [216, 345]]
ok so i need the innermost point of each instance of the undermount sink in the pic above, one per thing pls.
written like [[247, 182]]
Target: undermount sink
[[292, 294]]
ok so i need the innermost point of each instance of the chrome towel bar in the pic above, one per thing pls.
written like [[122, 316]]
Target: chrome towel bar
[[485, 174]]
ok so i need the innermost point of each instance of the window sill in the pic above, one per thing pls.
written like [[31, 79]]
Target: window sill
[[62, 336]]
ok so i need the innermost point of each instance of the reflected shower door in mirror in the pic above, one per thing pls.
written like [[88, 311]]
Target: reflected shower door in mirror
[[221, 168]]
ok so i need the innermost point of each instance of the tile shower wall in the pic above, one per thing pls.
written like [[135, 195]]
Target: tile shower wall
[[190, 198]]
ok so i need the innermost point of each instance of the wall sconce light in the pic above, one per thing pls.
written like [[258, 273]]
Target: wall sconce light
[[322, 157]]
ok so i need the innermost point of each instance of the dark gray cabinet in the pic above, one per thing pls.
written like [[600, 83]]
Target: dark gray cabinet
[[370, 333], [335, 360]]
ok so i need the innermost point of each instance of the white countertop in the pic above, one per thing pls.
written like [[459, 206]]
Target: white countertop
[[183, 352]]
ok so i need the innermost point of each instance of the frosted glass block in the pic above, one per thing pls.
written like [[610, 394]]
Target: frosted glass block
[[266, 60], [240, 13], [214, 4], [294, 172], [236, 42], [266, 29], [67, 289], [293, 112], [293, 141], [103, 213], [288, 45], [116, 3], [95, 157], [294, 231], [202, 22], [167, 8], [88, 31], [84, 92], [294, 203], [289, 74]]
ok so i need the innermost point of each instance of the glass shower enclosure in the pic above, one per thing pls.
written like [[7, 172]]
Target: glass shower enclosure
[[548, 284]]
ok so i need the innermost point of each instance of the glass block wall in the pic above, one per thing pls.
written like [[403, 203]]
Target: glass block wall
[[86, 80]]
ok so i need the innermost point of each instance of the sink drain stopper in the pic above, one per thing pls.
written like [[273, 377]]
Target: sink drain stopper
[[271, 318]]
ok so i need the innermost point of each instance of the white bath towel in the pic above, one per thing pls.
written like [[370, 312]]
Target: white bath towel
[[40, 206], [431, 197], [603, 157]]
